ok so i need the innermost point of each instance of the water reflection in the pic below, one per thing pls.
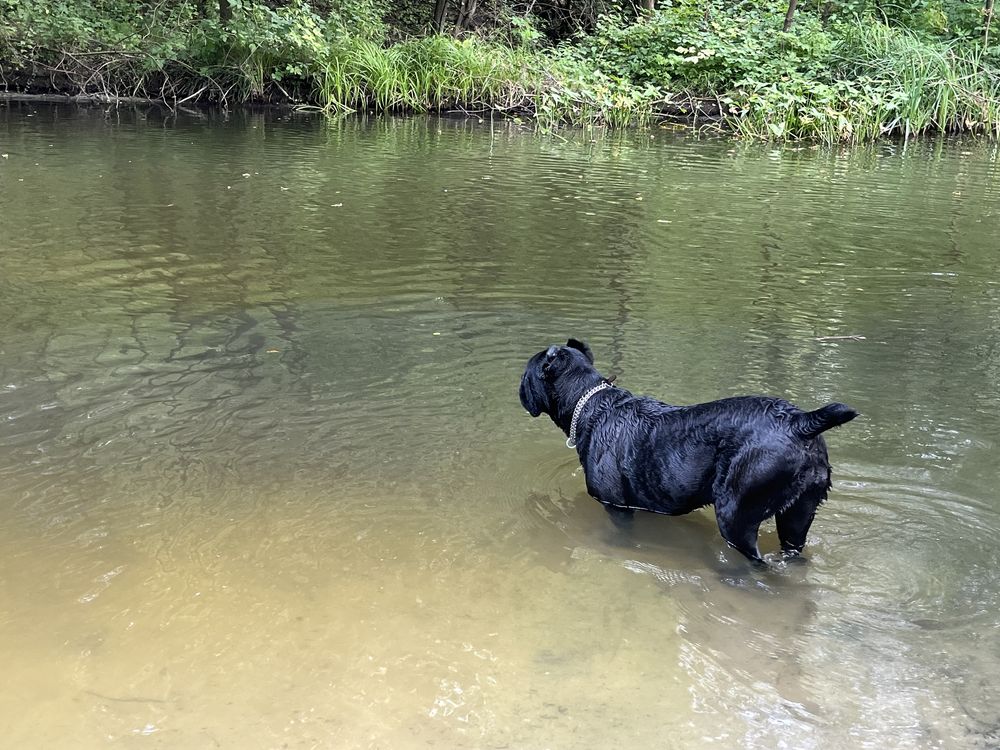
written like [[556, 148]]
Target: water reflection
[[267, 481]]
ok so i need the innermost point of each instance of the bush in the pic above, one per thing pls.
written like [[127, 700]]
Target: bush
[[706, 47], [259, 47], [845, 71], [879, 80]]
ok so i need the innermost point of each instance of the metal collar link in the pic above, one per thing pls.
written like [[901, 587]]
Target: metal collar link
[[571, 440]]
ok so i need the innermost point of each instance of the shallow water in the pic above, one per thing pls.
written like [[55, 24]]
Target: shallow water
[[265, 482]]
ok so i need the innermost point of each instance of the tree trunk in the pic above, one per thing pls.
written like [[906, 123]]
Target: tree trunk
[[649, 5], [790, 15], [225, 12], [988, 21], [440, 11], [465, 13]]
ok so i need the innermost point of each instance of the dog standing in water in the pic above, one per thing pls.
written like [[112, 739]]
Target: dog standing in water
[[752, 457]]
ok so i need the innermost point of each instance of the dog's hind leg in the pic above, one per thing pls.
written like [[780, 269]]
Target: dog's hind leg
[[621, 517], [793, 525]]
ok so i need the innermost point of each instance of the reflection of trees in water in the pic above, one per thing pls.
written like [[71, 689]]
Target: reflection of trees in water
[[500, 250], [165, 333], [625, 251], [784, 351], [539, 262]]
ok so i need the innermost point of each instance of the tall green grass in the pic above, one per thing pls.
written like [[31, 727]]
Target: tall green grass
[[440, 72], [419, 75], [881, 81], [928, 85]]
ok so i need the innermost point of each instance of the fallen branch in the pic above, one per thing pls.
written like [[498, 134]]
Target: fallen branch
[[9, 96]]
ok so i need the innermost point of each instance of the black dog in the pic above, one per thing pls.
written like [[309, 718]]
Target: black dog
[[751, 457]]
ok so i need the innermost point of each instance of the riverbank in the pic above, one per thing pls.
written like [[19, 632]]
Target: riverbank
[[736, 69]]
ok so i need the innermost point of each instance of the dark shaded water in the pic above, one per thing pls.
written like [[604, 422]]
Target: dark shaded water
[[264, 480]]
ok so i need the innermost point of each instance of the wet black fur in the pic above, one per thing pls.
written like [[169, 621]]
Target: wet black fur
[[752, 457]]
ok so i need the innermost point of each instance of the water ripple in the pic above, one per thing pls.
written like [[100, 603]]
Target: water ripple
[[263, 459]]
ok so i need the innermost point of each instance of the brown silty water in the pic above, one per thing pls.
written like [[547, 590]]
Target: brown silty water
[[266, 481]]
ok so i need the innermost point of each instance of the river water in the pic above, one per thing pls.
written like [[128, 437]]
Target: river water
[[265, 481]]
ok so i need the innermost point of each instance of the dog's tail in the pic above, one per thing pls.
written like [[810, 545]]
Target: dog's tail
[[809, 424]]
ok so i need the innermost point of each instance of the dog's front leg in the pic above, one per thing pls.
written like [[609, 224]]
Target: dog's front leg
[[737, 527]]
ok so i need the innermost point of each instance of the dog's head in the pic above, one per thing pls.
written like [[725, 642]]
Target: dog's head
[[539, 384]]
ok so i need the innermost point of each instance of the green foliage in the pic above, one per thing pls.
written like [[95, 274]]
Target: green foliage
[[882, 80], [437, 72], [524, 32], [705, 46], [68, 26], [847, 69], [954, 19], [259, 46], [852, 78], [358, 18], [572, 90]]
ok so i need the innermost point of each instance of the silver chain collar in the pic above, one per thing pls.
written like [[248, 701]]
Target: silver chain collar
[[571, 440]]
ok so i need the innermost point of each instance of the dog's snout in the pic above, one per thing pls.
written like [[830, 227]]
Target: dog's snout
[[550, 353]]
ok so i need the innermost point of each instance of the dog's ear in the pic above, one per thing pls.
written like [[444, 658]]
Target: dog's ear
[[580, 346], [532, 393]]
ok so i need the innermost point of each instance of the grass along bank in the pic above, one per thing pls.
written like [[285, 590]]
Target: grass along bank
[[721, 64]]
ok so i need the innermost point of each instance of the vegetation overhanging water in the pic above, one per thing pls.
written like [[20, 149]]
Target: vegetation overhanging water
[[842, 70]]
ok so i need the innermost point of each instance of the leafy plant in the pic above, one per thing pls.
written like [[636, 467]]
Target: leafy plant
[[846, 70]]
